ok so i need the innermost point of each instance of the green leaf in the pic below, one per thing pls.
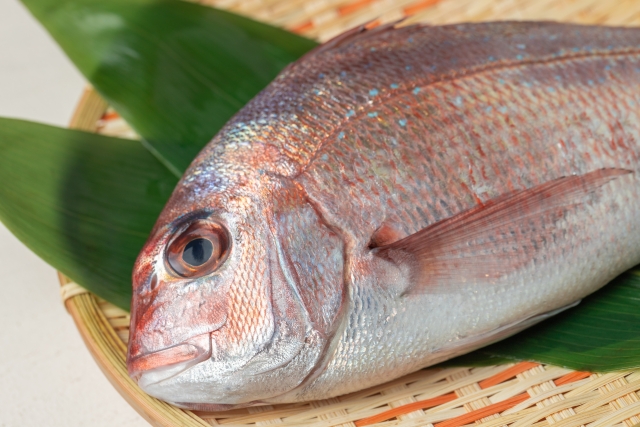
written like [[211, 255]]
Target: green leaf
[[601, 334], [175, 71], [84, 203]]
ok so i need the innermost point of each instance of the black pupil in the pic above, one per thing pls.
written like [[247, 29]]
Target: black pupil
[[197, 252]]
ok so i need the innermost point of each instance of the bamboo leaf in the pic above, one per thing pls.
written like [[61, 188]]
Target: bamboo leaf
[[175, 71], [84, 203]]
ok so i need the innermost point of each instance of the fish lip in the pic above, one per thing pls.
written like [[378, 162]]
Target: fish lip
[[171, 360]]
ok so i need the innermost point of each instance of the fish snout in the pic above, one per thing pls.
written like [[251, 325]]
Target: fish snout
[[161, 364]]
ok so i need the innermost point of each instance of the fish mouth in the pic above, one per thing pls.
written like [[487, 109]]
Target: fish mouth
[[160, 365]]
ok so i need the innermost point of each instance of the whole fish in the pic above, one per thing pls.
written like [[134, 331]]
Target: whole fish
[[397, 197]]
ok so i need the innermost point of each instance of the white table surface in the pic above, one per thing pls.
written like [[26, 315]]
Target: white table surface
[[47, 376]]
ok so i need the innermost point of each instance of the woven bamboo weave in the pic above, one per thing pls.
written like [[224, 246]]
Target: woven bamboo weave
[[515, 395]]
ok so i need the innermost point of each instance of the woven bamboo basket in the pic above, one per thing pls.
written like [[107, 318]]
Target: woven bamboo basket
[[520, 394]]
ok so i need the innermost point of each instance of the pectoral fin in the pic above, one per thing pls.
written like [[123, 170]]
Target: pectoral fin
[[492, 240]]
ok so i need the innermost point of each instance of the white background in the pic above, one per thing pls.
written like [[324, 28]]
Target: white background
[[47, 376]]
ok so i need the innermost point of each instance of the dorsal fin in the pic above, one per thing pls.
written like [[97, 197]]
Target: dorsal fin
[[360, 32], [492, 240]]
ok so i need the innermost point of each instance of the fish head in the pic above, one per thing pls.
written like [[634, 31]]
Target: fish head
[[217, 317]]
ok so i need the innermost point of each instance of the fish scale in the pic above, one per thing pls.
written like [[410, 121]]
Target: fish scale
[[395, 198]]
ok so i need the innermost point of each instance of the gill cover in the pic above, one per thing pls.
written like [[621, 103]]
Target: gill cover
[[306, 264]]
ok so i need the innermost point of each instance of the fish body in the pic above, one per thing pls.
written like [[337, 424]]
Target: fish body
[[395, 198]]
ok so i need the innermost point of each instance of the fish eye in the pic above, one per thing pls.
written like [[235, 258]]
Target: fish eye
[[199, 250]]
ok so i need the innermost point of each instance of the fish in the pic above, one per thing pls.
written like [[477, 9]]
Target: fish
[[398, 196]]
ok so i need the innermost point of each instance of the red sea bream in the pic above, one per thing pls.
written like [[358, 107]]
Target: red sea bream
[[395, 198]]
